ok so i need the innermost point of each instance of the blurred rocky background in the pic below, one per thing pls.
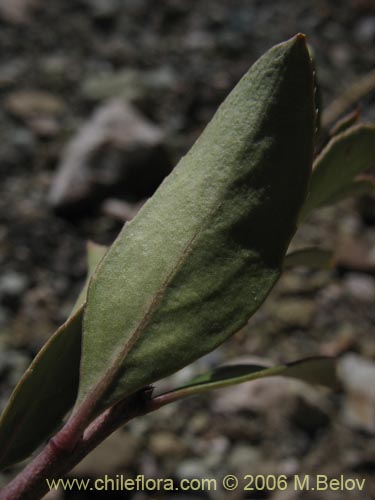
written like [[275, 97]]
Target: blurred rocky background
[[98, 101]]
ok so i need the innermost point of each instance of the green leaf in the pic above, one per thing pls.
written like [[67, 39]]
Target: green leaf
[[48, 389], [346, 156], [202, 255], [346, 122], [315, 258], [320, 370], [317, 93], [361, 185], [45, 393]]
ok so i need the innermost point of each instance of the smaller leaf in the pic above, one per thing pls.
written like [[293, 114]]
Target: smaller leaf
[[43, 396], [345, 157], [48, 389], [319, 370], [345, 122], [315, 258], [363, 184]]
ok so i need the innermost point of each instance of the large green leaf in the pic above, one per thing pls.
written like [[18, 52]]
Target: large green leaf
[[320, 370], [202, 255], [47, 390], [346, 156]]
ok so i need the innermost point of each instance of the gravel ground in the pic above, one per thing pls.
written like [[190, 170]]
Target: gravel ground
[[174, 61]]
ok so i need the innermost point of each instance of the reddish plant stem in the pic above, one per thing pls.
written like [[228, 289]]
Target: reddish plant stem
[[56, 460]]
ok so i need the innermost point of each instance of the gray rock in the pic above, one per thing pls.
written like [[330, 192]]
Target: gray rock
[[341, 54], [365, 30], [128, 84], [103, 8], [243, 458], [166, 444], [55, 495], [199, 40], [192, 468], [115, 453], [356, 254], [121, 210], [289, 494], [3, 317], [296, 282], [17, 11], [216, 452], [125, 84], [191, 371], [258, 396], [358, 378], [11, 71], [23, 139], [199, 422], [12, 366], [32, 104], [295, 312], [12, 284], [45, 126], [360, 286], [117, 149], [276, 399], [308, 414]]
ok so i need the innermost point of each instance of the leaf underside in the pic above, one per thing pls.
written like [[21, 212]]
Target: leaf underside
[[209, 215], [202, 255]]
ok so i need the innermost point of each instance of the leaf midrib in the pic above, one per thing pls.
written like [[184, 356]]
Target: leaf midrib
[[158, 296]]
